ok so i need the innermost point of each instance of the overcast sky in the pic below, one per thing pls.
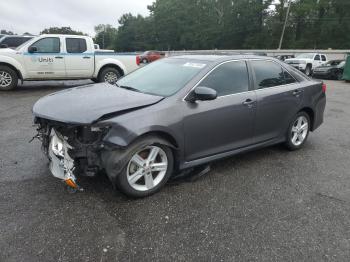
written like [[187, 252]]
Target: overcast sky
[[33, 16]]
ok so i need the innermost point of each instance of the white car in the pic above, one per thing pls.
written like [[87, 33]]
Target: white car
[[307, 62], [61, 57]]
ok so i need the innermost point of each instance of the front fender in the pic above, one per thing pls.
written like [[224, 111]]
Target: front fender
[[122, 137], [14, 63]]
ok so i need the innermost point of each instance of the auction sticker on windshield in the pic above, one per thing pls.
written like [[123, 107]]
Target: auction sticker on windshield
[[196, 65]]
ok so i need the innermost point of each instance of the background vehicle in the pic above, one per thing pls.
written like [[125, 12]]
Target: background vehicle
[[284, 57], [60, 57], [160, 118], [150, 56], [332, 70], [1, 36], [307, 62], [13, 41]]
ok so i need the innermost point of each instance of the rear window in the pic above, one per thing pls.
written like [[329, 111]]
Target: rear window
[[76, 45]]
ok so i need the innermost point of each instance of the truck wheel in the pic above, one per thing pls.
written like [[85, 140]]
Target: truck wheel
[[95, 80], [308, 70], [109, 75], [8, 78]]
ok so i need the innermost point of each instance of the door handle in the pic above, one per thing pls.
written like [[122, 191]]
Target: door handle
[[86, 57], [249, 102], [59, 57]]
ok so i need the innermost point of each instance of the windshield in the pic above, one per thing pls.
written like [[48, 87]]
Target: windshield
[[306, 56], [163, 78]]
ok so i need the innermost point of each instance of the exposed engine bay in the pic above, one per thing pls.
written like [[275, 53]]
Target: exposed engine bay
[[72, 149]]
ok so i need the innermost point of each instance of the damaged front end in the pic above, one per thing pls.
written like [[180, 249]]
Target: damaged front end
[[72, 149]]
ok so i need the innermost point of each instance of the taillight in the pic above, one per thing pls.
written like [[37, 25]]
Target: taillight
[[138, 60], [324, 88]]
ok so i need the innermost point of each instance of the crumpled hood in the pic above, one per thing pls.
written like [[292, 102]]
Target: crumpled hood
[[86, 104]]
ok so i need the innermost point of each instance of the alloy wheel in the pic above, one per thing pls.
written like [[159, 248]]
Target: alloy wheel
[[111, 78], [147, 168], [5, 79], [300, 130]]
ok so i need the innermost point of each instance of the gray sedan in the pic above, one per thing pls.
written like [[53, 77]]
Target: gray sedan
[[175, 114]]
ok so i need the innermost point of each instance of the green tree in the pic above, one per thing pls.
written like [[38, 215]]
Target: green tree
[[105, 36], [61, 30]]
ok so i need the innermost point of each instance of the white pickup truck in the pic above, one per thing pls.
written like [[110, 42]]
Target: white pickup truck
[[307, 62], [61, 57]]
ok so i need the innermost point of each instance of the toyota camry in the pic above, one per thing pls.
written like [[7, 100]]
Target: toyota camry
[[174, 114]]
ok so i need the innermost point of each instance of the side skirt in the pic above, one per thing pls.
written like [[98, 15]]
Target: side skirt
[[208, 159]]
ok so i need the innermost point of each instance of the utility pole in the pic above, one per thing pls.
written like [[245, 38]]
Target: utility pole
[[284, 26]]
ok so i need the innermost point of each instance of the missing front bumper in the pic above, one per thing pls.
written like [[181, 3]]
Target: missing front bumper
[[61, 164]]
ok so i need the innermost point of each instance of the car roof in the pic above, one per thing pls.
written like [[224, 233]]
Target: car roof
[[221, 58]]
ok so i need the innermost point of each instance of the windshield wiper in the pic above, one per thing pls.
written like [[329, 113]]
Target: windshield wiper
[[130, 88]]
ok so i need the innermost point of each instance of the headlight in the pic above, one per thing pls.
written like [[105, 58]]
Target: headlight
[[57, 145]]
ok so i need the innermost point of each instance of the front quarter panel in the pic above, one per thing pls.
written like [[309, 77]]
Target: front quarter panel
[[162, 118], [13, 59]]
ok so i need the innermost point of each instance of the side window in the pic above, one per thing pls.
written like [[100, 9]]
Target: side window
[[317, 58], [323, 58], [288, 79], [229, 78], [76, 45], [48, 45], [267, 74]]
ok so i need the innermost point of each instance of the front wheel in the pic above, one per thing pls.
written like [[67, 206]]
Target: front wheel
[[8, 78], [109, 75], [308, 70], [149, 164], [339, 75], [298, 131]]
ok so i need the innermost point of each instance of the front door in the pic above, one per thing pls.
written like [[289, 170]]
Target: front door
[[279, 97], [223, 124], [46, 62]]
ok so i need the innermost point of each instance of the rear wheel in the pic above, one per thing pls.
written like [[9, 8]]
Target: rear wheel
[[148, 166], [109, 75], [298, 131], [8, 78]]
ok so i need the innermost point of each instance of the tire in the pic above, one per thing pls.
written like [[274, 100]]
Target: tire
[[137, 167], [95, 80], [297, 134], [339, 75], [109, 75], [8, 78], [144, 61], [308, 70]]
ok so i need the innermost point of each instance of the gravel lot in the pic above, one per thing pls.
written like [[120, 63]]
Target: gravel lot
[[268, 205]]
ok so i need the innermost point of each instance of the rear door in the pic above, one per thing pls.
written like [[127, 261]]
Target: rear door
[[47, 62], [279, 96], [79, 60], [223, 124]]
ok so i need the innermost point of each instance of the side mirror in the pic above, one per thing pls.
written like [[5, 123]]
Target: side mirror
[[32, 49], [203, 93], [4, 46]]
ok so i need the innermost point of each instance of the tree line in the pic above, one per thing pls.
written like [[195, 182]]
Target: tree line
[[231, 24], [227, 24]]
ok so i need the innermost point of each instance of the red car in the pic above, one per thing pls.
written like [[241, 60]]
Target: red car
[[149, 56]]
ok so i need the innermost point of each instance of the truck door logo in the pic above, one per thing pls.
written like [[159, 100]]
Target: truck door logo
[[45, 59]]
